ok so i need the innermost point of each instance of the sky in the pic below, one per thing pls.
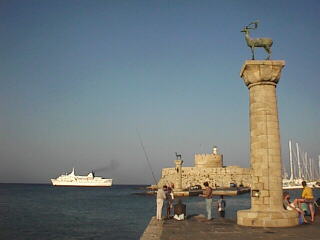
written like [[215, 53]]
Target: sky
[[81, 80]]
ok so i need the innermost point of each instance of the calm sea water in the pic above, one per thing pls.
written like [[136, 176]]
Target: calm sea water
[[30, 211]]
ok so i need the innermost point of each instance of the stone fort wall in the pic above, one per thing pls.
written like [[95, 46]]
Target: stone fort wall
[[220, 176], [208, 160]]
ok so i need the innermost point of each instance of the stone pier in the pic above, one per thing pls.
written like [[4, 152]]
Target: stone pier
[[196, 227], [261, 78]]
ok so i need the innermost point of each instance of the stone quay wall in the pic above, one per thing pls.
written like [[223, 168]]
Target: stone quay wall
[[221, 177]]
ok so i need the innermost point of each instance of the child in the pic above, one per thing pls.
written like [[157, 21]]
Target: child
[[221, 206]]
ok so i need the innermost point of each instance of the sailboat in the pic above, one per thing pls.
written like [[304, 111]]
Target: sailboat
[[303, 171]]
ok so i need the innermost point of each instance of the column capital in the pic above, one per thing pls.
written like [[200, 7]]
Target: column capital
[[178, 162], [256, 72]]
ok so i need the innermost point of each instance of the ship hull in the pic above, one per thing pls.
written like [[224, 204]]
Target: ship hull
[[107, 183]]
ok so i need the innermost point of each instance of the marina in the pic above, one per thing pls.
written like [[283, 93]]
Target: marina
[[302, 168]]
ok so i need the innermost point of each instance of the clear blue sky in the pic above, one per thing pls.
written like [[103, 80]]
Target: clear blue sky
[[78, 78]]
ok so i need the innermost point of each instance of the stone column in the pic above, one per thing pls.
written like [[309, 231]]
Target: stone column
[[178, 182], [261, 78]]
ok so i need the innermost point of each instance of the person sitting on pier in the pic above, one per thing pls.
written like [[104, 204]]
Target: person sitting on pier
[[180, 211], [288, 205], [307, 197]]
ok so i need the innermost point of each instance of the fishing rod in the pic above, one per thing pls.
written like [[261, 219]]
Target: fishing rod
[[146, 156]]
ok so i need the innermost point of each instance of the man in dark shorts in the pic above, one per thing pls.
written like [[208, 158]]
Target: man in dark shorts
[[169, 201]]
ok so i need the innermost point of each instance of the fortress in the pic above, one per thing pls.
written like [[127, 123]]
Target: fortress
[[207, 167]]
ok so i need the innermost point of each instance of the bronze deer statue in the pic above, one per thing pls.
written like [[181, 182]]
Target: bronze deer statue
[[178, 156], [266, 43]]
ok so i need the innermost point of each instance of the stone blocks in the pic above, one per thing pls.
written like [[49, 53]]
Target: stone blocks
[[215, 176], [261, 78], [178, 173], [256, 218], [257, 71], [208, 160]]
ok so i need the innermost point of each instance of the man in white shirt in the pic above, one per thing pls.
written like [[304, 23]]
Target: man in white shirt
[[161, 196]]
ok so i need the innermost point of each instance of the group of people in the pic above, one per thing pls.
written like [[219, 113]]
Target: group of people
[[165, 197], [298, 204]]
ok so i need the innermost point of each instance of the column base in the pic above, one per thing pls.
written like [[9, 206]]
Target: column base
[[252, 218]]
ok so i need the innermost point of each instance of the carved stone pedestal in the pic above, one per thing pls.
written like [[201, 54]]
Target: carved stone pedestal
[[178, 182], [261, 78]]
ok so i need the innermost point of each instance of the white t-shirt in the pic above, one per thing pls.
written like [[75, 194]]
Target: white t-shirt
[[161, 194]]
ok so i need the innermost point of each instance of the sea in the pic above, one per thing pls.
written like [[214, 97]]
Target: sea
[[45, 212]]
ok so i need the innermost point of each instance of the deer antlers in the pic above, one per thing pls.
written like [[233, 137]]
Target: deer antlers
[[253, 24]]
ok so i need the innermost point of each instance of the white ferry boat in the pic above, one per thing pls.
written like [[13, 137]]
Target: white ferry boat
[[81, 181]]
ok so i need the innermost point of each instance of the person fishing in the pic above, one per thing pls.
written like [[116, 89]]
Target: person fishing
[[161, 196], [207, 194]]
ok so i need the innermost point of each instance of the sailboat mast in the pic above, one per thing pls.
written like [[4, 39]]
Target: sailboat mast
[[305, 161], [291, 163], [310, 169], [298, 159]]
